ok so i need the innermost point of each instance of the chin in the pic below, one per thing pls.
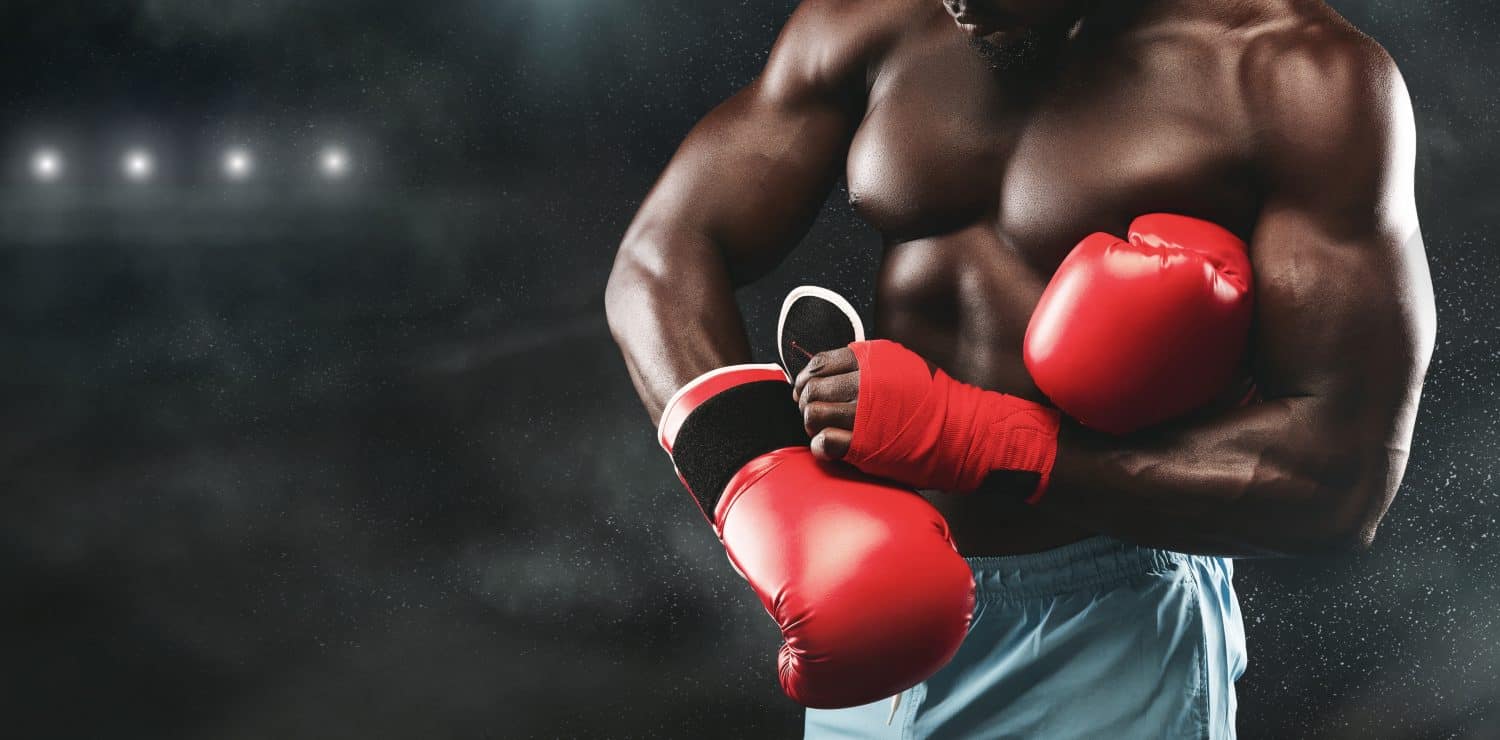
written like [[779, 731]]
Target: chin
[[1012, 49]]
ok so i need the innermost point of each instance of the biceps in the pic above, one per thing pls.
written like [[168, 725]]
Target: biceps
[[1348, 321], [751, 177]]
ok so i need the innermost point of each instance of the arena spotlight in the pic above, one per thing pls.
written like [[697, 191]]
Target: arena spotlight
[[238, 164], [138, 165], [47, 165], [333, 161]]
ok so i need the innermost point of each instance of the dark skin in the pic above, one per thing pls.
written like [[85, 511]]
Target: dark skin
[[1273, 118]]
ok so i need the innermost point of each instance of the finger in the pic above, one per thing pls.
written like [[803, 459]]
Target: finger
[[832, 362], [837, 389], [821, 416], [832, 444]]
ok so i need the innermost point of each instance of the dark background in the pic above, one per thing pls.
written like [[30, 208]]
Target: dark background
[[290, 459]]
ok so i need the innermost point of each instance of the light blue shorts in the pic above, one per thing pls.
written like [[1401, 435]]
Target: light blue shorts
[[1096, 639]]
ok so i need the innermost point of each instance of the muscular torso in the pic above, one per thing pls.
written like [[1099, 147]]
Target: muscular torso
[[981, 187], [1271, 116]]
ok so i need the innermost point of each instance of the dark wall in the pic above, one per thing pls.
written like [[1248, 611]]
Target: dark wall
[[295, 461]]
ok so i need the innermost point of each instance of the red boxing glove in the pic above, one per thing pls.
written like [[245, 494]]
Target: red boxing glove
[[928, 430], [1131, 334], [861, 576]]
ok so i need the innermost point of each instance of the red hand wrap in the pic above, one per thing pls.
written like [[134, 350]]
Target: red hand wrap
[[931, 431]]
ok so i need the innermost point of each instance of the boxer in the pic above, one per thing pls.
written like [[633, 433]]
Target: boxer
[[986, 141]]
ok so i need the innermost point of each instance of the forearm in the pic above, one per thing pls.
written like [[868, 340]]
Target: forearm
[[739, 193], [671, 308], [1267, 479]]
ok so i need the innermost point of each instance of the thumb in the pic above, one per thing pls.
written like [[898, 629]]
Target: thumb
[[832, 444]]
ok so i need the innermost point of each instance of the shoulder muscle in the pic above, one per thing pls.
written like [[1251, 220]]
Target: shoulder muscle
[[1333, 121], [827, 48]]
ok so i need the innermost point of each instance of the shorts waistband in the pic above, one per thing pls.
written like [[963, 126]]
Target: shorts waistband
[[1090, 563]]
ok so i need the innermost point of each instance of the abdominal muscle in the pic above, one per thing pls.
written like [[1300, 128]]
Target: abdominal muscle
[[962, 301]]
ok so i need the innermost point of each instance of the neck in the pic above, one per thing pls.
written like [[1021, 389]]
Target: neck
[[1113, 18]]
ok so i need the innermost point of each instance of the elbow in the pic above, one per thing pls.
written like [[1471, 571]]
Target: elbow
[[1332, 537], [622, 292], [1320, 495], [1349, 538], [616, 302], [1348, 527], [1337, 502]]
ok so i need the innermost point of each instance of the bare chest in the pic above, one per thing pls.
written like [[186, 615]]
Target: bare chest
[[946, 146]]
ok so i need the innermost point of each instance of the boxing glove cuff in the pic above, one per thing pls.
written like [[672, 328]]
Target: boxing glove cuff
[[721, 421]]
